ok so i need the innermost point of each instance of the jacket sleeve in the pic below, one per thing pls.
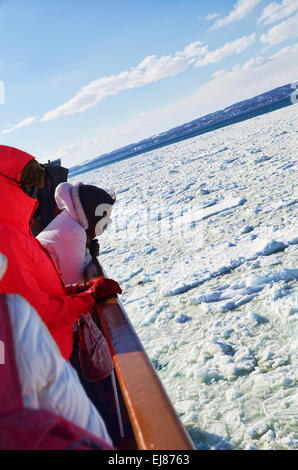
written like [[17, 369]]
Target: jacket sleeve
[[46, 295], [47, 381], [53, 254], [66, 309]]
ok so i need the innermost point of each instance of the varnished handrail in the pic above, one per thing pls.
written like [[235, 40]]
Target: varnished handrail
[[154, 421]]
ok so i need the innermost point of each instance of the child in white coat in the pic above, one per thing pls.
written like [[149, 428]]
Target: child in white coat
[[70, 236]]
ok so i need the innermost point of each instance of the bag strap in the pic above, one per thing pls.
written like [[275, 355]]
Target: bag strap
[[98, 312], [10, 389], [97, 265], [93, 328]]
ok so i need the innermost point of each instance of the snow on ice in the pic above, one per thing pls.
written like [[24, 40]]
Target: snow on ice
[[204, 245]]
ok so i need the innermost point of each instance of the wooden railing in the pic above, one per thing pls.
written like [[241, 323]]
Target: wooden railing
[[153, 419]]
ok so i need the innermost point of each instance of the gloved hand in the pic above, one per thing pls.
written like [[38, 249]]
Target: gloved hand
[[94, 248], [102, 287], [72, 289]]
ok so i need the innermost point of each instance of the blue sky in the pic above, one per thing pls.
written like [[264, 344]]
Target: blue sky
[[80, 78]]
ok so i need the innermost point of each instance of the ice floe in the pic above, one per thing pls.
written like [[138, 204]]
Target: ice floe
[[204, 245]]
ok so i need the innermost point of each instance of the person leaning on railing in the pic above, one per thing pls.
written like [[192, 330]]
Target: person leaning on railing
[[71, 236], [31, 270], [34, 376]]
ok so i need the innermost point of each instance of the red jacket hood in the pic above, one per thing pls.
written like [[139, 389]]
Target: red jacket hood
[[15, 206], [13, 161]]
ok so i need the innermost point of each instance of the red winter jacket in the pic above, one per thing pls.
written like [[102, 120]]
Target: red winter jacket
[[31, 271]]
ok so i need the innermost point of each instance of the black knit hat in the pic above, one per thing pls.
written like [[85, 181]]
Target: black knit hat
[[91, 198]]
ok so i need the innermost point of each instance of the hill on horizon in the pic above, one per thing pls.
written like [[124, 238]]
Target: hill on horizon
[[237, 112]]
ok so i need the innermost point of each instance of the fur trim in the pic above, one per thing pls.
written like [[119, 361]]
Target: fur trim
[[67, 198], [63, 197], [33, 174], [78, 206]]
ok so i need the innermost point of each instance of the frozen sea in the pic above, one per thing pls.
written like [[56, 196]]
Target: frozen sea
[[204, 244]]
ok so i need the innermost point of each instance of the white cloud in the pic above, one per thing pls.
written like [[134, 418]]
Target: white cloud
[[23, 123], [212, 16], [194, 49], [255, 62], [227, 50], [219, 73], [151, 69], [241, 9], [287, 29], [258, 75], [275, 12]]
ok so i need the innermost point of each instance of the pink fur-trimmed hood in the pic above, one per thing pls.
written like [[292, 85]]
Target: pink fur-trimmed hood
[[67, 198]]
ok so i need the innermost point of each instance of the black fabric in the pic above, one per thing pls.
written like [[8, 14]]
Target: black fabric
[[58, 174], [91, 197], [47, 209]]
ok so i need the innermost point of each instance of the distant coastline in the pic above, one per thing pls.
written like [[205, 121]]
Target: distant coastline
[[241, 111]]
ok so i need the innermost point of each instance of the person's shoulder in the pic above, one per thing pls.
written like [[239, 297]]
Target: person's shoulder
[[20, 310], [63, 223], [14, 243], [8, 230], [66, 223]]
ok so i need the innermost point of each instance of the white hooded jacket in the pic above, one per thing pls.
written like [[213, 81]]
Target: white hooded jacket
[[48, 382], [65, 237]]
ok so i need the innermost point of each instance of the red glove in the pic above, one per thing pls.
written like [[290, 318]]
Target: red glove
[[102, 287], [72, 289]]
